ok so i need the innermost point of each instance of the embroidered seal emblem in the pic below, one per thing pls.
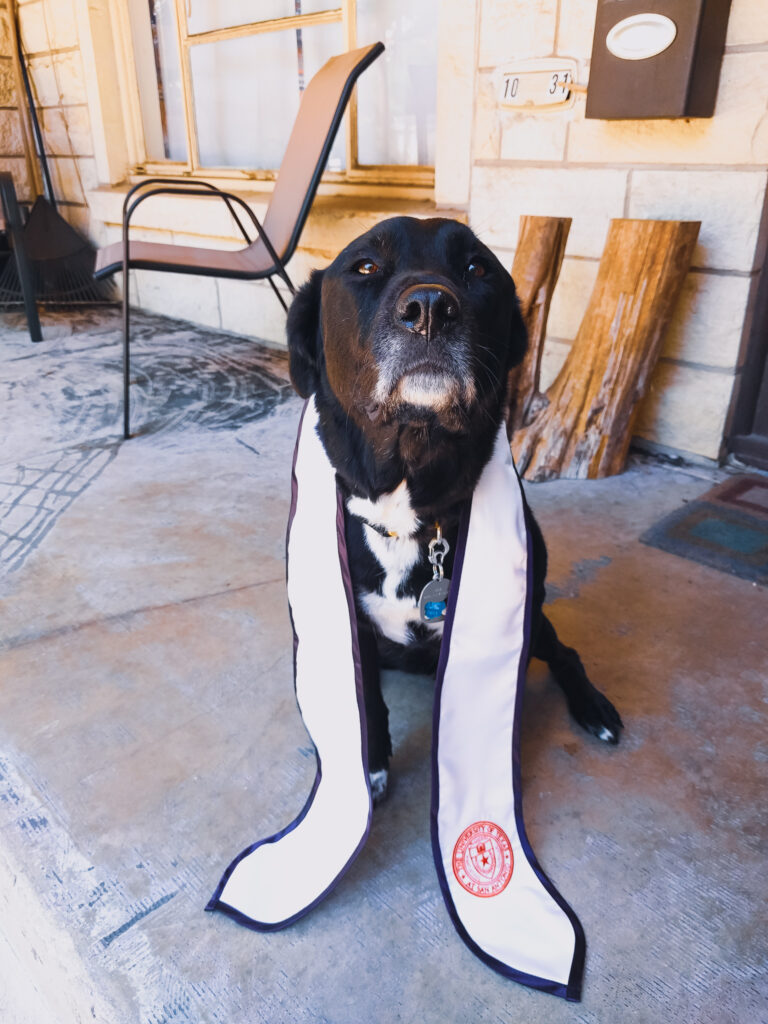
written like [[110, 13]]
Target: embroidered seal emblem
[[482, 859]]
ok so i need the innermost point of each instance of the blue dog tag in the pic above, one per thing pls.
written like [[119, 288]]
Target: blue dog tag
[[433, 601], [434, 609]]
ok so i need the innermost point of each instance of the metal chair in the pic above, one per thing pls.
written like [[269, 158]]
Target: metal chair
[[14, 229], [320, 112]]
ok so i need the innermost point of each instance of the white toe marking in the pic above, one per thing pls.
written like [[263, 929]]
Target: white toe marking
[[379, 781], [392, 615]]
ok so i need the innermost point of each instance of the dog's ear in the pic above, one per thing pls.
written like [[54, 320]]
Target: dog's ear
[[305, 340], [518, 335]]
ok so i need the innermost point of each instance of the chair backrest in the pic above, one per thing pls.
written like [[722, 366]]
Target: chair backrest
[[320, 112]]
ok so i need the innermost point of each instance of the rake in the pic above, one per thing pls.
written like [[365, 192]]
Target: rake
[[61, 259]]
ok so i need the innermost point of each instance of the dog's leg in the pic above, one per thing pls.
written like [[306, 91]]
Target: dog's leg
[[587, 705], [376, 715]]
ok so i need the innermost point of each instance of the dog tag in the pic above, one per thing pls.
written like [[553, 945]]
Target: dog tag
[[433, 601]]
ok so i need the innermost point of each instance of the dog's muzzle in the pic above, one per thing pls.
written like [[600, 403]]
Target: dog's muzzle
[[423, 356]]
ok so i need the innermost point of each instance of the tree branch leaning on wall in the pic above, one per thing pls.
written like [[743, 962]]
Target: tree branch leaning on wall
[[582, 426]]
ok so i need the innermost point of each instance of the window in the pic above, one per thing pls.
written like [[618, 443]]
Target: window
[[218, 92]]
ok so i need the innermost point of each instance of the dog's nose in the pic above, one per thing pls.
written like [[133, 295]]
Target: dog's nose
[[425, 308]]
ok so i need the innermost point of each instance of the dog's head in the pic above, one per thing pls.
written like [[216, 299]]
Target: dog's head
[[416, 320]]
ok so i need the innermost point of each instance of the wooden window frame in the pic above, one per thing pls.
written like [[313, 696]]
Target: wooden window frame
[[355, 178]]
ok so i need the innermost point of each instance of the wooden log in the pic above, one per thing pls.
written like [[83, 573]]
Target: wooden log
[[535, 270], [585, 428]]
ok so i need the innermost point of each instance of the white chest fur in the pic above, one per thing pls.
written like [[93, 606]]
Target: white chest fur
[[393, 616]]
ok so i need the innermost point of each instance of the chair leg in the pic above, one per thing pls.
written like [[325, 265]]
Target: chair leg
[[15, 229], [126, 362], [284, 274], [27, 291], [276, 290]]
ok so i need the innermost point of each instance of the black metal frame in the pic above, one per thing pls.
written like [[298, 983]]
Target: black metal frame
[[181, 186], [15, 229], [747, 438], [176, 186]]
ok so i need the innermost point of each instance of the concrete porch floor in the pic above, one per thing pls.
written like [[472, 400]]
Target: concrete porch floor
[[148, 730]]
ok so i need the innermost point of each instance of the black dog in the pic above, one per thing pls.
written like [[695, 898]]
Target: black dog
[[406, 340]]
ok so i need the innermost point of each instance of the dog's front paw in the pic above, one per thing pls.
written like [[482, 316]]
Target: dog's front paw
[[597, 715], [378, 782]]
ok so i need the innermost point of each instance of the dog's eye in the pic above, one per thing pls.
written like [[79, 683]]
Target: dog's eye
[[474, 269], [366, 267]]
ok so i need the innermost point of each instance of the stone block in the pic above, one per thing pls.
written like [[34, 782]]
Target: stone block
[[179, 238], [737, 134], [747, 23], [66, 179], [575, 28], [17, 166], [86, 168], [336, 220], [110, 233], [179, 295], [62, 26], [505, 256], [251, 308], [305, 260], [534, 137], [552, 359], [70, 77], [455, 101], [34, 33], [197, 215], [67, 131], [44, 86], [501, 194], [572, 294], [6, 46], [707, 321], [516, 30], [11, 138], [728, 204], [7, 84], [79, 130], [54, 127], [486, 128], [686, 408]]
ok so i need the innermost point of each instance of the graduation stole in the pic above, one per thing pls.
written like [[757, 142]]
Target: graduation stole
[[502, 904]]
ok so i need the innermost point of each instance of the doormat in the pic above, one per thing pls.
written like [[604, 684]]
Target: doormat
[[726, 529]]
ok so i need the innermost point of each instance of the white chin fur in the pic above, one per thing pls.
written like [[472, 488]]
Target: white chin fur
[[429, 390]]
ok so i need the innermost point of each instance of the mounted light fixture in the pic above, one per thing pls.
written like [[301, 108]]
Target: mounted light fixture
[[656, 58]]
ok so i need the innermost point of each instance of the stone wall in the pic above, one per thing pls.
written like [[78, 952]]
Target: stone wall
[[11, 138], [50, 40], [559, 163]]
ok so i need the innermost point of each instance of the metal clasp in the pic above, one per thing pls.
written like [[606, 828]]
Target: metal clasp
[[438, 549]]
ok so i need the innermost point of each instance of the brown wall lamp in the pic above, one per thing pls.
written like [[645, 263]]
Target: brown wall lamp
[[656, 58]]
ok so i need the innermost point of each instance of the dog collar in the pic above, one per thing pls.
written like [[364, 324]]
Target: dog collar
[[381, 530], [503, 906]]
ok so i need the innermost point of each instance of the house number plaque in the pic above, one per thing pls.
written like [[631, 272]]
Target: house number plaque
[[538, 84]]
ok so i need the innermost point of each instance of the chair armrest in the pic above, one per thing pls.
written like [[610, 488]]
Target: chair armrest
[[190, 188]]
